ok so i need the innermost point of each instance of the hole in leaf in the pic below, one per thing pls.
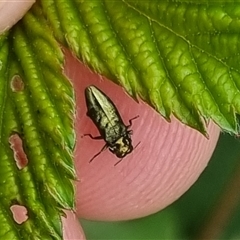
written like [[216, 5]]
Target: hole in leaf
[[17, 84], [18, 151], [19, 213]]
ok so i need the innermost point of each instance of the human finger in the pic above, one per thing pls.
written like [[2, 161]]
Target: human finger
[[12, 11], [168, 160], [71, 227]]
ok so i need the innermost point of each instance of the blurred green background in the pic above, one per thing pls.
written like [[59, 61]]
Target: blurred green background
[[185, 218]]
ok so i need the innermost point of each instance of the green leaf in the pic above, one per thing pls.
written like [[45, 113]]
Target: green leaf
[[182, 57], [37, 107]]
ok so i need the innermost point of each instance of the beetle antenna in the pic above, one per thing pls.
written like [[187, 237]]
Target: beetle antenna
[[136, 145], [104, 148], [131, 120], [118, 162]]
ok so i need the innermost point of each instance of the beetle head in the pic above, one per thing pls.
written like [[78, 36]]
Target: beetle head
[[122, 147]]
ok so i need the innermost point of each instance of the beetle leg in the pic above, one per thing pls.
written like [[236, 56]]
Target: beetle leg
[[90, 135], [104, 148], [131, 120]]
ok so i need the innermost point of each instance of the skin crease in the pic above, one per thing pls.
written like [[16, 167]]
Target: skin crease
[[168, 160]]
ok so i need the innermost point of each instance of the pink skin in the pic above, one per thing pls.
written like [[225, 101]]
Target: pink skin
[[168, 160], [12, 11], [71, 227]]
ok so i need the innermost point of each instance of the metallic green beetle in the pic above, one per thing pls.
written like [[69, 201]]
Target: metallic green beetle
[[110, 125]]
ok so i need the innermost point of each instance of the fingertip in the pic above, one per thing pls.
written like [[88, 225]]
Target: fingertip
[[12, 11], [168, 161]]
